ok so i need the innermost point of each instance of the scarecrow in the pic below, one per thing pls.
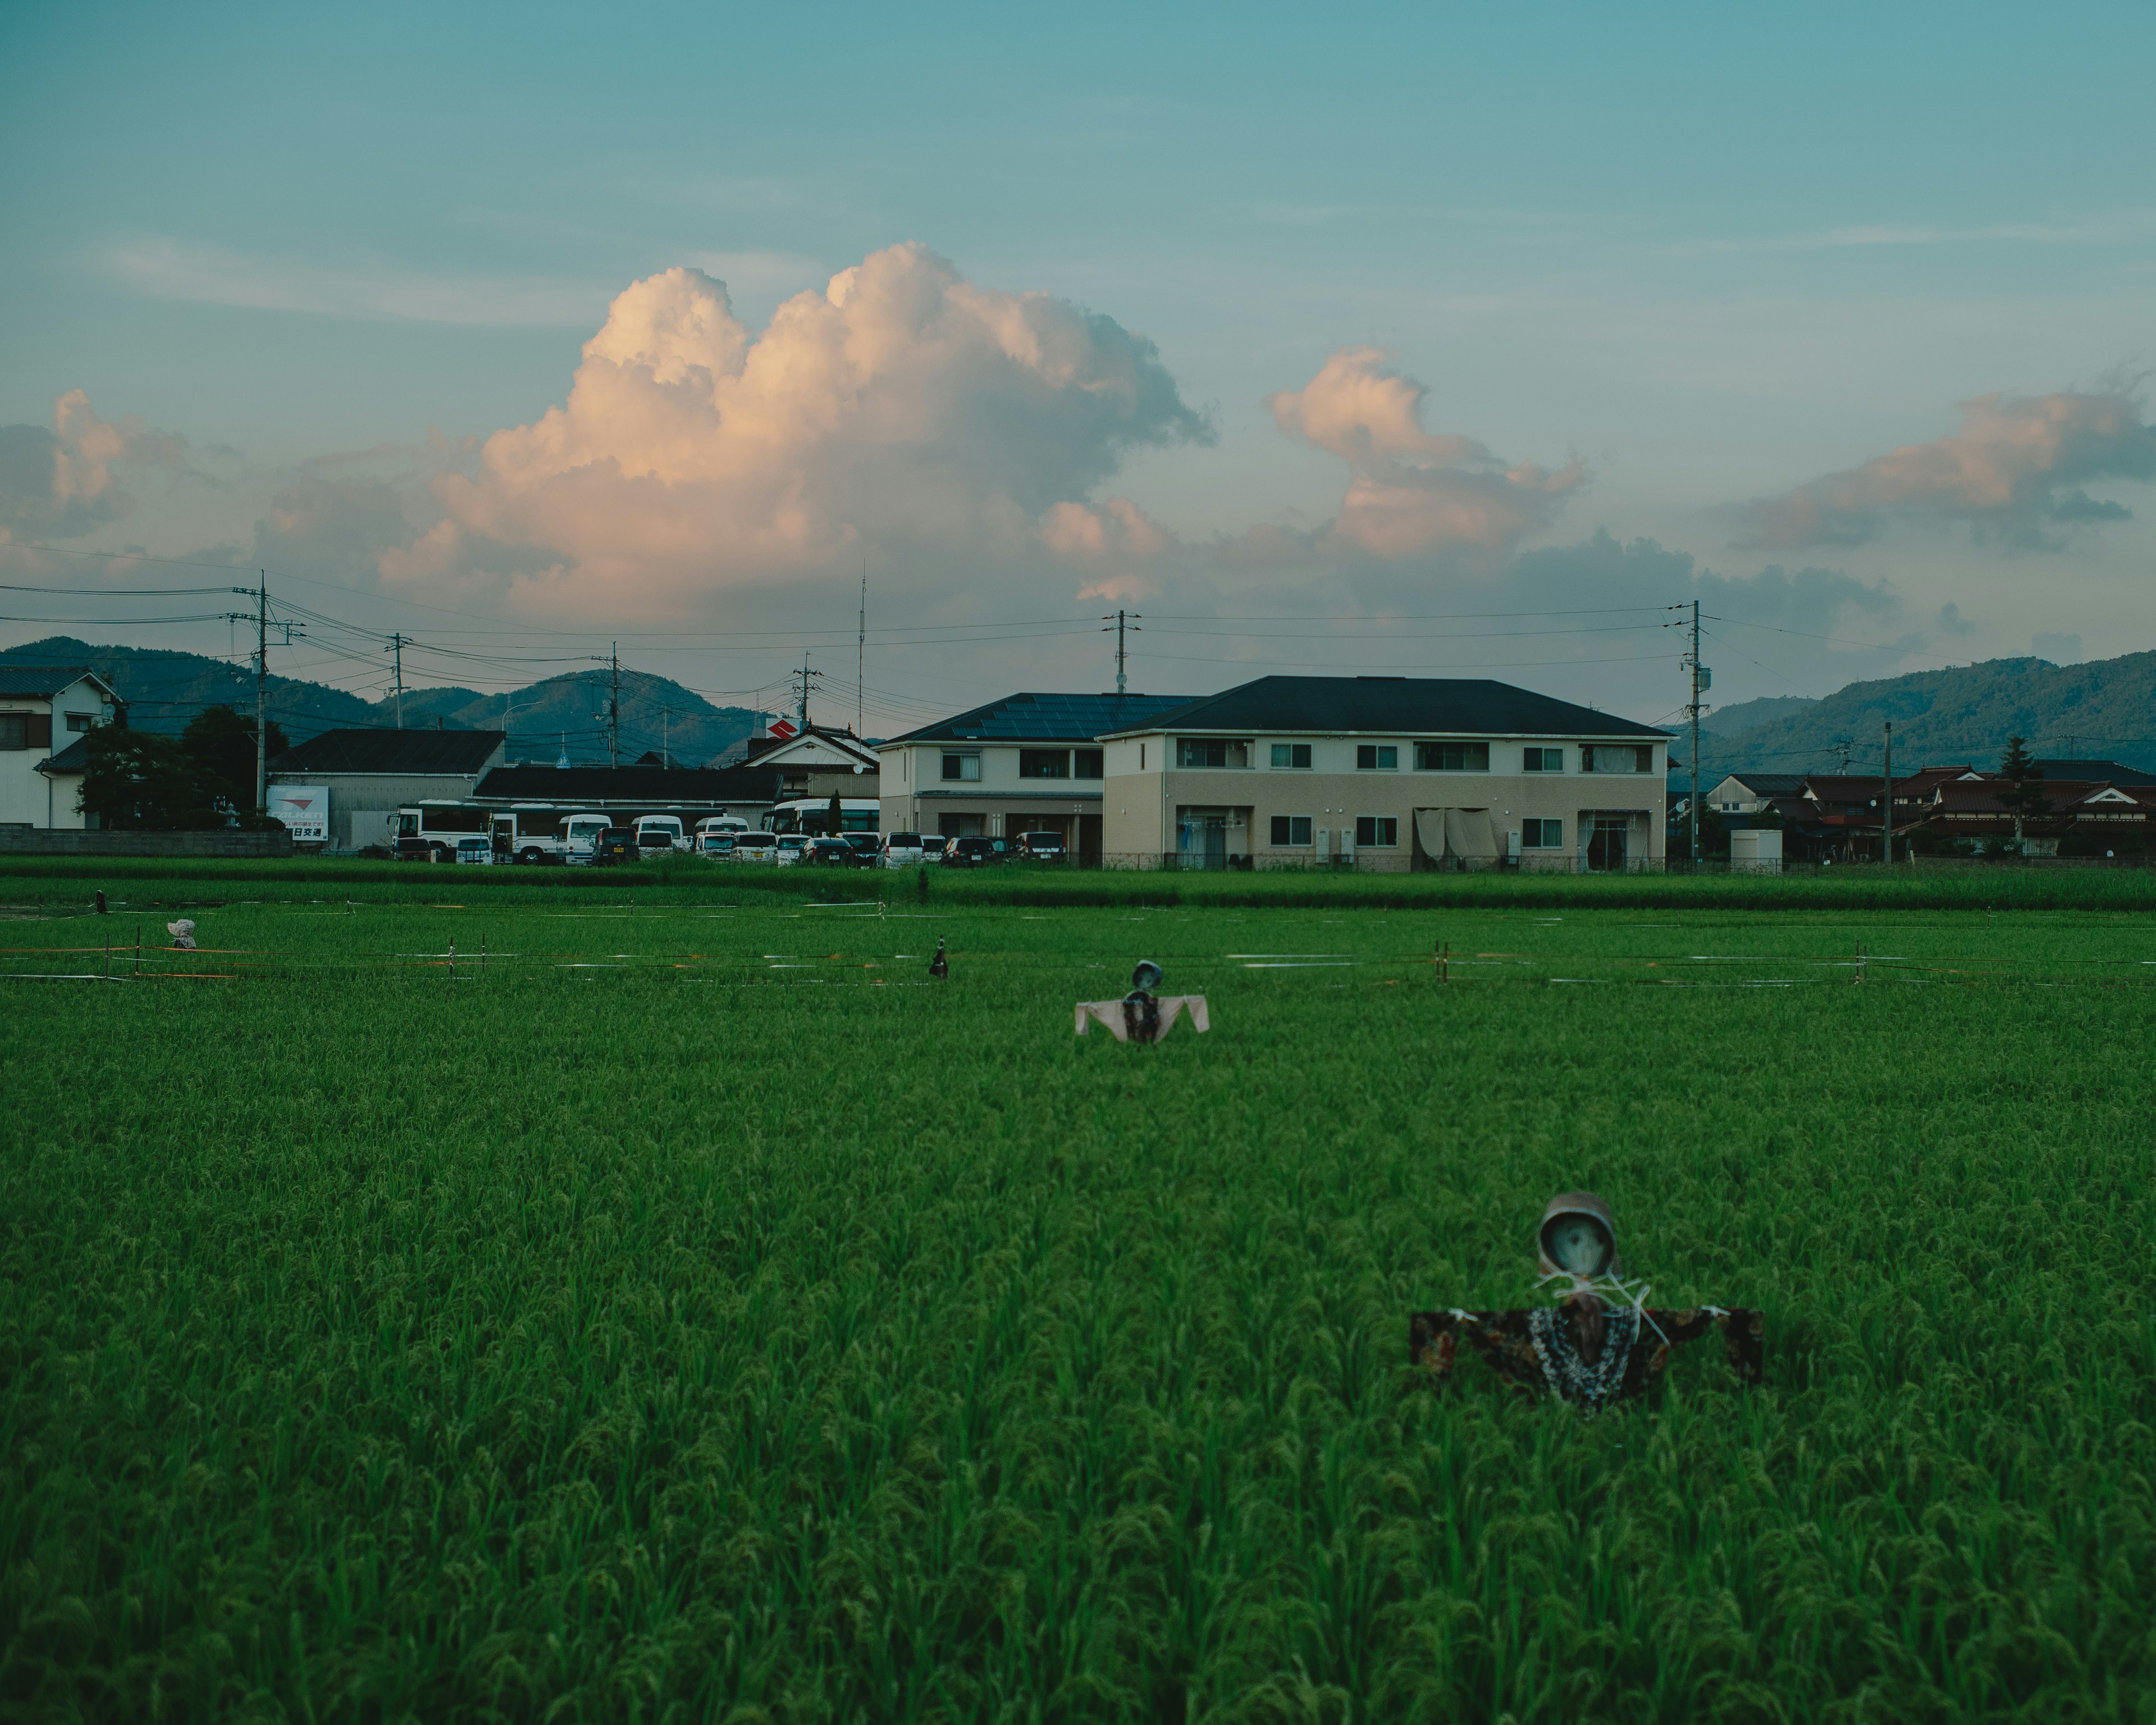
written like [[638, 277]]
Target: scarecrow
[[1601, 1343]]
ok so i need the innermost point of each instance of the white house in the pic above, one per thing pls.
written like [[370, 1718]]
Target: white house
[[1391, 772], [1029, 762], [47, 713]]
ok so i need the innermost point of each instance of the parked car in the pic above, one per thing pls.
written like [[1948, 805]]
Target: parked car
[[867, 848], [753, 847], [413, 849], [788, 848], [902, 851], [934, 846], [973, 852], [716, 844], [1042, 847], [831, 853], [655, 832], [477, 849], [616, 844], [715, 827]]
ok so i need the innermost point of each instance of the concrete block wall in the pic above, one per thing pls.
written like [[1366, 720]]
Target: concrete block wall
[[34, 841]]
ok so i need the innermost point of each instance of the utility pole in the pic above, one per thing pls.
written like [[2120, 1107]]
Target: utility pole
[[261, 692], [1702, 680], [665, 737], [807, 676], [1886, 801], [614, 710], [1121, 620], [397, 647], [1843, 746], [861, 666]]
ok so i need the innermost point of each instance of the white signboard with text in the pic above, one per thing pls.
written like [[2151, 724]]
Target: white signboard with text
[[305, 809]]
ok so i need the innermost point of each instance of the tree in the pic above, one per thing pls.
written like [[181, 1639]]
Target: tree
[[838, 816], [2023, 792], [137, 778], [222, 740]]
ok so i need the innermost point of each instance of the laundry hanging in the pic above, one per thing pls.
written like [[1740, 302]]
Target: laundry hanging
[[1466, 836]]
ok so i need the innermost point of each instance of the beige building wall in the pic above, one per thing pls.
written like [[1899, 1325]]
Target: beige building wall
[[1144, 798]]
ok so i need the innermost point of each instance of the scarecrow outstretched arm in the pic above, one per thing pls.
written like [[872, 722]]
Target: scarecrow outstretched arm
[[1503, 1340]]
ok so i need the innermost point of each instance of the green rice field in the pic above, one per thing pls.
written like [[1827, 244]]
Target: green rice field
[[678, 1307]]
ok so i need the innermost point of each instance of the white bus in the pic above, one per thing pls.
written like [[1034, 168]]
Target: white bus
[[813, 815], [430, 830]]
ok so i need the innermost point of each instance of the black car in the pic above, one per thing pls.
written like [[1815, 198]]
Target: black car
[[973, 852], [831, 853], [868, 848], [616, 844]]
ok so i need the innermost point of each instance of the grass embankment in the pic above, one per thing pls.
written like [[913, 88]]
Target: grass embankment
[[60, 881], [698, 1314]]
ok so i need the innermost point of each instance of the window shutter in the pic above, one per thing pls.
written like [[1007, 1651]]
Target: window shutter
[[41, 731]]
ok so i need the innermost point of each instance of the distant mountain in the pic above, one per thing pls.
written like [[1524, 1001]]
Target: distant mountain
[[2105, 709], [163, 690], [657, 716], [1732, 720]]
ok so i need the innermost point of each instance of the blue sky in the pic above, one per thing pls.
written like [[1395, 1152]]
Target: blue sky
[[1710, 254]]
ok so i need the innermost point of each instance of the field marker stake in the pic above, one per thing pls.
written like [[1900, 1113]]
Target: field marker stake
[[138, 952]]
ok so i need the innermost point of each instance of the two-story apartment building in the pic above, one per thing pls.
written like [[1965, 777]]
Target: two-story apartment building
[[1029, 762], [47, 713], [1392, 772]]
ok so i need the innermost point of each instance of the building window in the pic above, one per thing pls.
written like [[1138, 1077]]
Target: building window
[[1211, 751], [1452, 757], [79, 723], [1379, 830], [1290, 829], [1541, 761], [15, 731], [1290, 754], [1088, 763], [1376, 757], [1542, 835], [958, 826], [1617, 757], [1044, 763], [962, 767]]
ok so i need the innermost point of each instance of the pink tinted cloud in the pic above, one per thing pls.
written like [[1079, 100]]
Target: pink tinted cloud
[[2016, 464], [1411, 493]]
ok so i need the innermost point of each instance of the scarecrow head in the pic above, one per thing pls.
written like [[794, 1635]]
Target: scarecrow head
[[1577, 1238]]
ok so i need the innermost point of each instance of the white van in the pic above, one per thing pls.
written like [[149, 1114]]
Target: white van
[[789, 848], [655, 832], [753, 846], [712, 826], [902, 851], [580, 834]]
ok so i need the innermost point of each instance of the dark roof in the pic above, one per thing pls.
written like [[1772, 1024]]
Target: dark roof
[[74, 758], [630, 784], [2098, 772], [1440, 706], [1770, 784], [1034, 718], [417, 752], [41, 682]]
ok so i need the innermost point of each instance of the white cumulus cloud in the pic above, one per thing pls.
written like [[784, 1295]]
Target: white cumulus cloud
[[901, 407]]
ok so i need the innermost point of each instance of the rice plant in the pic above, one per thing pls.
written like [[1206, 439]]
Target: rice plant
[[696, 1313]]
